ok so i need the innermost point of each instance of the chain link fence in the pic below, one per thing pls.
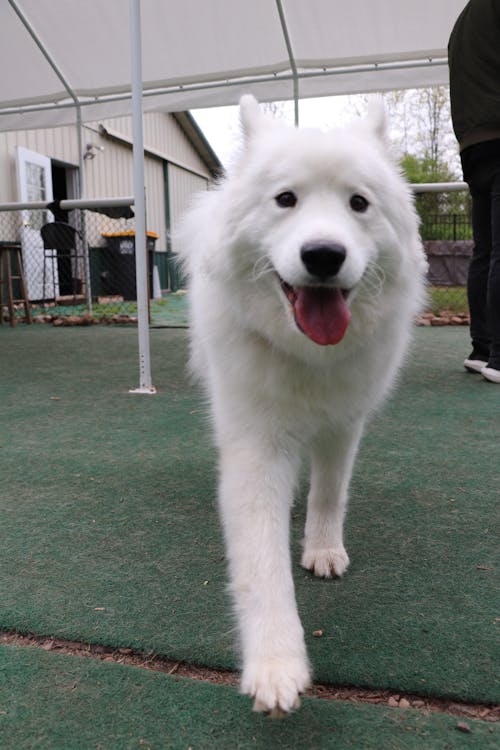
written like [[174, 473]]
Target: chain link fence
[[448, 245], [446, 231], [78, 265]]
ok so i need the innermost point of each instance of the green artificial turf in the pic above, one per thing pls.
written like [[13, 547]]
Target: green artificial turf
[[110, 533], [70, 703], [171, 311], [451, 298]]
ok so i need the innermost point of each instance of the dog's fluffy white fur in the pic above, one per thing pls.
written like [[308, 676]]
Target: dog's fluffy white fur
[[278, 386]]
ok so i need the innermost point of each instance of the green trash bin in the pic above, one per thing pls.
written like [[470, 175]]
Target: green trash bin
[[121, 259]]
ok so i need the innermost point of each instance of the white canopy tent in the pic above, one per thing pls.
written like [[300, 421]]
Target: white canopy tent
[[200, 53], [64, 61]]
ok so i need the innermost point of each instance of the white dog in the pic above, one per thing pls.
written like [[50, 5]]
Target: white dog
[[306, 271]]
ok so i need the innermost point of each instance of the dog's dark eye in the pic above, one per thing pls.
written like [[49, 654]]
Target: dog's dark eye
[[287, 199], [358, 203]]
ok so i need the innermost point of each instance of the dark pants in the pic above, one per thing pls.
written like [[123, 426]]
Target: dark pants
[[481, 168]]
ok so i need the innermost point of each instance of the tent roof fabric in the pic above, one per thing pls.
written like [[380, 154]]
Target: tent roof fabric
[[202, 54]]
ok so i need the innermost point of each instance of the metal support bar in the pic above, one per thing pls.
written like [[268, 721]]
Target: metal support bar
[[57, 70], [291, 58], [33, 34], [439, 187], [145, 382], [240, 81], [69, 204], [79, 133]]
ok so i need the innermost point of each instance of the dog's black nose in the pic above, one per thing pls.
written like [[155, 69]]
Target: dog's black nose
[[322, 259]]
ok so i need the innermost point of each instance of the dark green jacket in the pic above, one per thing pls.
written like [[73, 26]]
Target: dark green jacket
[[474, 61]]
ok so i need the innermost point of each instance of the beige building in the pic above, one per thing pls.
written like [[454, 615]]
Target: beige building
[[178, 163]]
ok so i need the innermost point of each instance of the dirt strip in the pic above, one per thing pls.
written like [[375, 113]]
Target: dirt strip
[[156, 663]]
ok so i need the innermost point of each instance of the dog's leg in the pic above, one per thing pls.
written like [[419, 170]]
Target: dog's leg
[[332, 459], [256, 490]]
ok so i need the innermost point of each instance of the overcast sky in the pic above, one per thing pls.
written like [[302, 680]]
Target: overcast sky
[[221, 127]]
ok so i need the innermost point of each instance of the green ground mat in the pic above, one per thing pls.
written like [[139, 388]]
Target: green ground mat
[[110, 535], [69, 703], [171, 311]]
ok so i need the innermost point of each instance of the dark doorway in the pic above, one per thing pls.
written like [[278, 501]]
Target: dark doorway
[[63, 182]]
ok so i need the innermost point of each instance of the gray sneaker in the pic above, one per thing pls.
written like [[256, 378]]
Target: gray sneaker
[[490, 374], [475, 365]]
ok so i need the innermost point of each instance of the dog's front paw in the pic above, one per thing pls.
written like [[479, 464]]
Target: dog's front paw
[[326, 563], [276, 684]]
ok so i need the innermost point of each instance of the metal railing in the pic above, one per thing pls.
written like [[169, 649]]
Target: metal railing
[[97, 281], [447, 227]]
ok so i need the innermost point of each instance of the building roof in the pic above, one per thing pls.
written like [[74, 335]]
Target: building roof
[[196, 137]]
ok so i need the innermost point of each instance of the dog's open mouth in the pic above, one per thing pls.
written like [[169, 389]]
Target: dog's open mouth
[[321, 312]]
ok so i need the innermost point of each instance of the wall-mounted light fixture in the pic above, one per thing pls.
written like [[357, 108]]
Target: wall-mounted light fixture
[[91, 150]]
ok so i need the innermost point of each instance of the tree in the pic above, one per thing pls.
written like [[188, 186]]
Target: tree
[[442, 215], [278, 110], [421, 123]]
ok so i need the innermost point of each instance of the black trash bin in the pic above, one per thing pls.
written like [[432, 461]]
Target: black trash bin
[[121, 263]]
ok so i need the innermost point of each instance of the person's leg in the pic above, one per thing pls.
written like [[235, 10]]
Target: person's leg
[[493, 298], [492, 371], [477, 279]]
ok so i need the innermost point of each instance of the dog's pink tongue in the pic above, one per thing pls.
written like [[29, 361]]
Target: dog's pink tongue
[[322, 314]]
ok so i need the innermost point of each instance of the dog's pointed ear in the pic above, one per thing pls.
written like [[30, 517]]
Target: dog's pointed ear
[[251, 116], [376, 118]]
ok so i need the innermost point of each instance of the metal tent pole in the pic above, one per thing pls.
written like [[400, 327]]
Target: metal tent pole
[[291, 57], [79, 131], [145, 382]]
